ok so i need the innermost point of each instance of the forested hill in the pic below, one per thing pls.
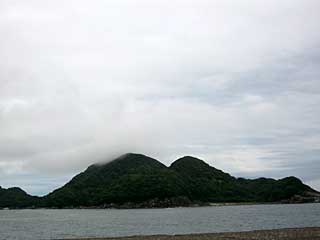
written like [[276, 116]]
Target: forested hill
[[16, 198], [135, 180]]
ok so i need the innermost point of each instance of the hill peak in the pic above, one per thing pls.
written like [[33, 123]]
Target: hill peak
[[189, 160], [16, 189], [135, 159], [127, 158], [124, 164]]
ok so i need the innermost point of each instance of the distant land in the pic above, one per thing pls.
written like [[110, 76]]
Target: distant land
[[138, 181]]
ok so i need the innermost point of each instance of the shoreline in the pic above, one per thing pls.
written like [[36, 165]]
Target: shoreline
[[189, 206], [306, 233]]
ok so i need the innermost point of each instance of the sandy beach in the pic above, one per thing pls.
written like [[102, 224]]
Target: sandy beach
[[311, 233]]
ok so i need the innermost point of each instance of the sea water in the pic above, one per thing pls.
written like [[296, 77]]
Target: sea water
[[81, 223]]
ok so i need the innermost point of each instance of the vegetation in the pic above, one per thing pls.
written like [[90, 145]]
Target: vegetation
[[16, 198], [135, 180]]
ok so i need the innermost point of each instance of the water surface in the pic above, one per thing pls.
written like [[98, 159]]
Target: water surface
[[53, 224]]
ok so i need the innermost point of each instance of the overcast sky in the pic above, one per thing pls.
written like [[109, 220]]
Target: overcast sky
[[235, 83]]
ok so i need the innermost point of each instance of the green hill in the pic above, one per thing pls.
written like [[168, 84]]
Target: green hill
[[135, 180], [130, 178], [209, 184], [16, 198]]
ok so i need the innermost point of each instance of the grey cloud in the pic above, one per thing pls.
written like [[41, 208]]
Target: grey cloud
[[234, 83]]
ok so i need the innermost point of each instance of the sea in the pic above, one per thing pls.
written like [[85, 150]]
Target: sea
[[84, 223]]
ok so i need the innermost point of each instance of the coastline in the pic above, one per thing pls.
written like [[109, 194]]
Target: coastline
[[132, 206], [306, 233]]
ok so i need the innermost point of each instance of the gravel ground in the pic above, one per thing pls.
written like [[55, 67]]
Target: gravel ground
[[279, 234]]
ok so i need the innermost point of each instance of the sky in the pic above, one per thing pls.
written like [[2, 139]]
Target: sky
[[235, 83]]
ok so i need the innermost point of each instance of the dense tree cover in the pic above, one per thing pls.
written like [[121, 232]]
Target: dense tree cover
[[16, 198], [138, 180], [130, 178], [209, 184]]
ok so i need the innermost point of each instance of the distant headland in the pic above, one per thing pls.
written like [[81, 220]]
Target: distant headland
[[138, 181]]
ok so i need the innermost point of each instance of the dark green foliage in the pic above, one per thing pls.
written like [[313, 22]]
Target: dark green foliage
[[130, 178], [16, 198], [135, 180], [203, 182]]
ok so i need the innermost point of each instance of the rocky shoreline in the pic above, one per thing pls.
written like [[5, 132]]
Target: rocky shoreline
[[308, 233]]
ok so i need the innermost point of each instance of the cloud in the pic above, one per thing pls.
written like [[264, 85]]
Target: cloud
[[234, 83]]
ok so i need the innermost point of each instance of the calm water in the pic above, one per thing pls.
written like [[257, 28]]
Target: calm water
[[52, 224]]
